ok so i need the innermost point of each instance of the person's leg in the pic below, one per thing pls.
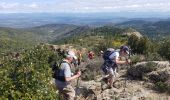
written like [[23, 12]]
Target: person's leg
[[111, 77], [69, 92]]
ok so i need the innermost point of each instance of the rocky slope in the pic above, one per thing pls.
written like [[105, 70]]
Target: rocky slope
[[135, 88]]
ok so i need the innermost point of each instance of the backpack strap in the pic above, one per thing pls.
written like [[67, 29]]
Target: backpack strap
[[111, 52], [56, 73]]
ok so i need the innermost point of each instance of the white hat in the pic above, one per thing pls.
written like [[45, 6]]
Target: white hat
[[72, 54]]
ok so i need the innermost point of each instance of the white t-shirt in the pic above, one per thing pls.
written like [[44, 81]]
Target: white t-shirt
[[114, 56]]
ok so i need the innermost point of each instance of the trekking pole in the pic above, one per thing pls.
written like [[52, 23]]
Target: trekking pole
[[129, 65], [77, 84]]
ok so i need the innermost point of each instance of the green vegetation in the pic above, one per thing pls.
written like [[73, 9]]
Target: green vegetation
[[161, 87], [164, 50], [97, 39], [17, 40], [29, 76]]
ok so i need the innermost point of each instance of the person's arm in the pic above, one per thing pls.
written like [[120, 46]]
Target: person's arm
[[120, 62], [73, 77], [67, 72]]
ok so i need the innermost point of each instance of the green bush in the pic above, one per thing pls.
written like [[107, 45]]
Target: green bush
[[88, 74], [153, 57], [27, 77], [140, 45], [161, 87], [164, 50], [137, 58]]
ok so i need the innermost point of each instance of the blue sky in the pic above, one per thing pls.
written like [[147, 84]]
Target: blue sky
[[84, 6]]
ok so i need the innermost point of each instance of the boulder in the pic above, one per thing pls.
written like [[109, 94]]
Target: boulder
[[159, 75], [141, 69]]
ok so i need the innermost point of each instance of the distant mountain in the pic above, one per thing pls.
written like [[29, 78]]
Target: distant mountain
[[132, 23], [19, 38], [96, 36], [15, 39], [58, 31], [27, 20], [162, 26], [152, 29]]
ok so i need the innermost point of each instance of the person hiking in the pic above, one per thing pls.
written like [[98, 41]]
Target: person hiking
[[65, 77], [90, 55], [111, 60]]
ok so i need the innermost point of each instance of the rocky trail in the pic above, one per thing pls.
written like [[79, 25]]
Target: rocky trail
[[135, 89]]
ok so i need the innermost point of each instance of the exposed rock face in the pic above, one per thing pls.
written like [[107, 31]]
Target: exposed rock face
[[155, 70], [160, 75]]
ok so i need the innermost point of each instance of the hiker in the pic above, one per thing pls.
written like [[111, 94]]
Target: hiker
[[75, 59], [90, 55], [111, 60], [65, 77]]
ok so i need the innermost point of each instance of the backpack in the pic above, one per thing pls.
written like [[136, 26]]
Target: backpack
[[107, 54], [56, 71], [108, 62]]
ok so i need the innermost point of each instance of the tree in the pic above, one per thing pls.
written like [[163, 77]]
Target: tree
[[164, 50], [140, 45]]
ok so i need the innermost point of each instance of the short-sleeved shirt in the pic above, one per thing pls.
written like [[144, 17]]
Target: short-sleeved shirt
[[66, 72], [114, 56]]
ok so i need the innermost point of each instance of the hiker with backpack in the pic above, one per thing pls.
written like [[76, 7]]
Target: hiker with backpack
[[111, 60], [63, 77]]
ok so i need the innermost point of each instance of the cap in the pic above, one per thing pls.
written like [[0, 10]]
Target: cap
[[125, 49], [72, 54]]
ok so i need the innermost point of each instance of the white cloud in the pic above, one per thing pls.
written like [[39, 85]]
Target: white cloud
[[87, 6], [33, 5], [8, 6]]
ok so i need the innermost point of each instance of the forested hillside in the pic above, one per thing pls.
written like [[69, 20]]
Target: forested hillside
[[152, 29]]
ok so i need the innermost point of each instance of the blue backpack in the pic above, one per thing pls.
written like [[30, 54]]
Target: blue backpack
[[107, 54], [107, 61]]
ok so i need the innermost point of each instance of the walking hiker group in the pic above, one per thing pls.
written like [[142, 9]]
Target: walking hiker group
[[64, 76]]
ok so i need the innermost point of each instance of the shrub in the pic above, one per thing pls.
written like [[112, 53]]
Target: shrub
[[164, 50], [137, 58], [140, 45], [161, 87], [28, 77], [88, 74], [153, 57]]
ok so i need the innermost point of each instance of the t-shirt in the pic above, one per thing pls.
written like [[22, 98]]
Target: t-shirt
[[114, 56], [65, 71]]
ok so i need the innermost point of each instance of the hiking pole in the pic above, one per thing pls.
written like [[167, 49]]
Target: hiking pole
[[77, 83], [125, 85]]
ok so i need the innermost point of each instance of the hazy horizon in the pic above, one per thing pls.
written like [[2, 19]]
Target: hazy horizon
[[18, 13], [84, 6]]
